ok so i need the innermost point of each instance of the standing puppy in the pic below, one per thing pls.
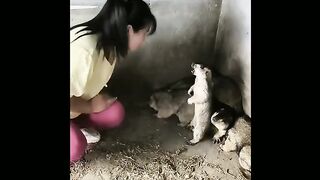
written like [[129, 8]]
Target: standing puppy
[[202, 98]]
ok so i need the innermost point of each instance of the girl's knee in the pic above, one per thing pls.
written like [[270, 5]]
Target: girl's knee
[[109, 118], [78, 143]]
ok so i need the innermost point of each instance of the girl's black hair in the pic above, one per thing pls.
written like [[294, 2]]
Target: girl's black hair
[[112, 21]]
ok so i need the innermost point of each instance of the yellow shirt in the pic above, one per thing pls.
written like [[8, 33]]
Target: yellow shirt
[[89, 69]]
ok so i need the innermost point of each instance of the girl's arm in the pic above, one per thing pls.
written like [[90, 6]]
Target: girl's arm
[[77, 104], [96, 104]]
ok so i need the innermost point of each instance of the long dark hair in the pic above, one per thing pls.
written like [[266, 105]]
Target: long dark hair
[[112, 21]]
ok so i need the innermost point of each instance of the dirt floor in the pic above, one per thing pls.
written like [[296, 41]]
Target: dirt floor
[[145, 147]]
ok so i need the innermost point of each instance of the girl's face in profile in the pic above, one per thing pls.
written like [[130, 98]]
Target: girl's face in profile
[[136, 39]]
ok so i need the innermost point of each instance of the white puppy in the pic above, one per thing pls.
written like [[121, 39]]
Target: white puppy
[[201, 98]]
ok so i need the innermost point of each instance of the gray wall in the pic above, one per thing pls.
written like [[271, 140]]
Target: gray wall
[[187, 32], [233, 46]]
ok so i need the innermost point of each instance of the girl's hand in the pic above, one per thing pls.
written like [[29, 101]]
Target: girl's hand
[[102, 102]]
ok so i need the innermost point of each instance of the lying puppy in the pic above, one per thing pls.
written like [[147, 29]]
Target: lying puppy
[[173, 102], [239, 140]]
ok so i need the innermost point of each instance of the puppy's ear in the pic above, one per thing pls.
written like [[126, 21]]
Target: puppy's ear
[[214, 114], [155, 98], [208, 73]]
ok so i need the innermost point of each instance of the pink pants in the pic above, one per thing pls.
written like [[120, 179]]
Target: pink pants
[[112, 118]]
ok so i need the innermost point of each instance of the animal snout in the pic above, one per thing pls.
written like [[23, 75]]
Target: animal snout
[[213, 119], [153, 110], [193, 64]]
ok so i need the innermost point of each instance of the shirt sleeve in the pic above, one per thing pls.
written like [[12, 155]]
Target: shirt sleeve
[[80, 69]]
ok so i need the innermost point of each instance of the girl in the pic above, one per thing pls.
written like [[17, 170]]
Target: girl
[[120, 27]]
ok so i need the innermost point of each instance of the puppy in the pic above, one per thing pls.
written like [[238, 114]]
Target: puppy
[[201, 98]]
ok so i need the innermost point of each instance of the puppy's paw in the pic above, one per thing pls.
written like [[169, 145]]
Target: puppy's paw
[[218, 140], [189, 101], [192, 142]]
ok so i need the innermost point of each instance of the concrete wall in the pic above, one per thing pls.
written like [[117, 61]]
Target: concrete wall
[[233, 46]]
